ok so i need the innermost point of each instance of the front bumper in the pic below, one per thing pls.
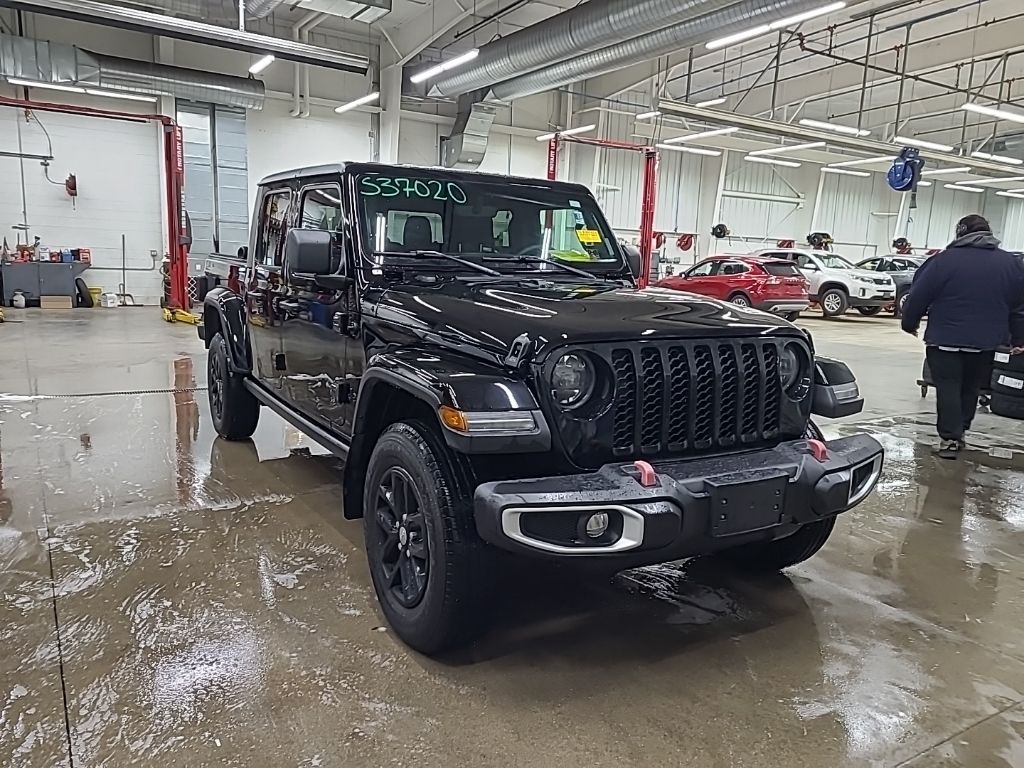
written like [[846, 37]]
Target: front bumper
[[694, 506], [870, 298]]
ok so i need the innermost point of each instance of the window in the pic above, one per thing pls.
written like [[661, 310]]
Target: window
[[873, 264], [780, 269], [803, 260], [732, 268], [703, 269], [486, 220], [273, 227], [321, 209]]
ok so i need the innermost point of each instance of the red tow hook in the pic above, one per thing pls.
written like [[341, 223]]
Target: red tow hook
[[818, 450], [648, 477]]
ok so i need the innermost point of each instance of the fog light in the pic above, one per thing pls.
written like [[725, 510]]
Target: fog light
[[596, 525]]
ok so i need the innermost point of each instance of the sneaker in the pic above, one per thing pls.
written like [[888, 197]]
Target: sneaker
[[961, 444], [948, 449]]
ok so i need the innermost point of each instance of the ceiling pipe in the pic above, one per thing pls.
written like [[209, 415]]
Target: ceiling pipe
[[305, 67], [596, 23], [260, 9], [297, 28], [746, 15], [803, 134], [62, 64], [194, 31]]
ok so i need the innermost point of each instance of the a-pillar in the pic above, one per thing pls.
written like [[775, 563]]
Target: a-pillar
[[391, 112]]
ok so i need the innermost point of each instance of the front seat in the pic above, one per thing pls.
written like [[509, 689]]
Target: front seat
[[418, 235]]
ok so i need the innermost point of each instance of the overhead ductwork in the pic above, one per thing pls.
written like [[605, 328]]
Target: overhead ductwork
[[61, 64], [260, 9], [194, 31], [728, 20], [467, 145], [569, 34]]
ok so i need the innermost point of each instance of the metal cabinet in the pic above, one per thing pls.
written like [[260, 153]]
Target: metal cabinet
[[40, 278]]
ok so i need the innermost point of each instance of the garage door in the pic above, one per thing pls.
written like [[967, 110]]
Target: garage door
[[117, 165]]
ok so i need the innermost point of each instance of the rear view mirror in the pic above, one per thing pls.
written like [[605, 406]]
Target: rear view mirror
[[633, 259], [307, 253]]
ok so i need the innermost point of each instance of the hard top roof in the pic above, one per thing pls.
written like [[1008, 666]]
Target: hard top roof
[[336, 169]]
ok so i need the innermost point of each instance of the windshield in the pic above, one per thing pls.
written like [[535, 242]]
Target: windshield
[[484, 220], [834, 261]]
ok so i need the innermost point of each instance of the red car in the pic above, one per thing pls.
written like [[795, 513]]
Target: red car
[[763, 283]]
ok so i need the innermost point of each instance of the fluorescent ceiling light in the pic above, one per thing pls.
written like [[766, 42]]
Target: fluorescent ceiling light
[[864, 161], [702, 135], [764, 29], [1011, 194], [845, 172], [998, 158], [942, 171], [960, 188], [923, 144], [711, 102], [845, 129], [691, 150], [48, 86], [567, 132], [608, 187], [772, 161], [262, 64], [1000, 114], [358, 102], [444, 66], [117, 95], [1001, 180], [924, 183], [790, 148], [648, 115]]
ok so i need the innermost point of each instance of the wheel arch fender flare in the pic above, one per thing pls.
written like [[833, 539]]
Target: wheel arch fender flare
[[224, 313]]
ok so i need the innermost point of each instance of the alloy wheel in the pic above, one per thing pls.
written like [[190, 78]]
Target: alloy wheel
[[740, 301], [832, 303], [402, 552], [216, 385]]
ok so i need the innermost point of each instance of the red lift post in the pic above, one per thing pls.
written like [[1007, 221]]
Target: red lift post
[[178, 304], [648, 199]]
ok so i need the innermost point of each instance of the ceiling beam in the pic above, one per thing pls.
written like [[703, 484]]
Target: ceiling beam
[[193, 31], [409, 38]]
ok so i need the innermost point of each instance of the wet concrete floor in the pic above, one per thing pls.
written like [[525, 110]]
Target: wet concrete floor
[[169, 599]]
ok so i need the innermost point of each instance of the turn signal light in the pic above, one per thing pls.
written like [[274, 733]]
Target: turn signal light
[[453, 418]]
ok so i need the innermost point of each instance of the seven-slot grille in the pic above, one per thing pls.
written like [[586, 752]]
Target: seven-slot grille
[[692, 397]]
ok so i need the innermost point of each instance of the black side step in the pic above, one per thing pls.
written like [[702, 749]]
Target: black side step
[[333, 444]]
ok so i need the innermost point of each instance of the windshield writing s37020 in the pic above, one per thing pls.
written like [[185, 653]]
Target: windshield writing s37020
[[425, 189]]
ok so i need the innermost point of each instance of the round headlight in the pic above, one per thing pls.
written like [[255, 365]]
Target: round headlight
[[572, 380], [789, 366]]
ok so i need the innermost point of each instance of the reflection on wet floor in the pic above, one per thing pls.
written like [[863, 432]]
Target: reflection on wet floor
[[214, 609]]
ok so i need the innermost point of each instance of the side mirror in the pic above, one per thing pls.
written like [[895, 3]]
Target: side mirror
[[243, 252], [307, 253], [633, 259]]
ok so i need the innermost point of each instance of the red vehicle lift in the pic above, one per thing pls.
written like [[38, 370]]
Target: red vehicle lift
[[177, 304], [650, 190]]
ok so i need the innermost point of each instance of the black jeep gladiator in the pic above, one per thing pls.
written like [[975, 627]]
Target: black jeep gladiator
[[476, 349]]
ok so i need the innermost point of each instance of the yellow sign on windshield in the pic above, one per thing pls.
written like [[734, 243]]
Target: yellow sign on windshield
[[588, 236]]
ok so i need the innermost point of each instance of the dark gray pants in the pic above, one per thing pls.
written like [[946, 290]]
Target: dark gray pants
[[959, 378]]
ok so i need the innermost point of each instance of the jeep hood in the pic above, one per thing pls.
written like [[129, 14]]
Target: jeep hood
[[491, 314]]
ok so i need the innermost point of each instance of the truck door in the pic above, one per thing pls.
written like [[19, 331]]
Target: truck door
[[316, 321], [263, 289]]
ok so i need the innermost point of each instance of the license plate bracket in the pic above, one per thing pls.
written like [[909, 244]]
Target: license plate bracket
[[745, 503]]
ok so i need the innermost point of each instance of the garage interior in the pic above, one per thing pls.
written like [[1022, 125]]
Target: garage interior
[[168, 597]]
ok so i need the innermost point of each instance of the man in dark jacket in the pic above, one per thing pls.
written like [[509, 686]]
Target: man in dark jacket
[[973, 294]]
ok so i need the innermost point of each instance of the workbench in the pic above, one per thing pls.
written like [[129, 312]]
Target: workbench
[[41, 278]]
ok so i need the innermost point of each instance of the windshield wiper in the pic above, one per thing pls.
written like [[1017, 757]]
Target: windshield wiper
[[441, 255], [541, 260]]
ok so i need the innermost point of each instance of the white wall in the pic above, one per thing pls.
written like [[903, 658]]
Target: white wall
[[118, 170]]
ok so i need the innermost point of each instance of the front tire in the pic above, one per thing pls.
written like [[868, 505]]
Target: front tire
[[782, 553], [234, 410], [792, 316], [834, 302], [430, 570], [869, 311], [900, 301]]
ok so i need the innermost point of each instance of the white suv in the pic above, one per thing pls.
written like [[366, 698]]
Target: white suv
[[836, 284]]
